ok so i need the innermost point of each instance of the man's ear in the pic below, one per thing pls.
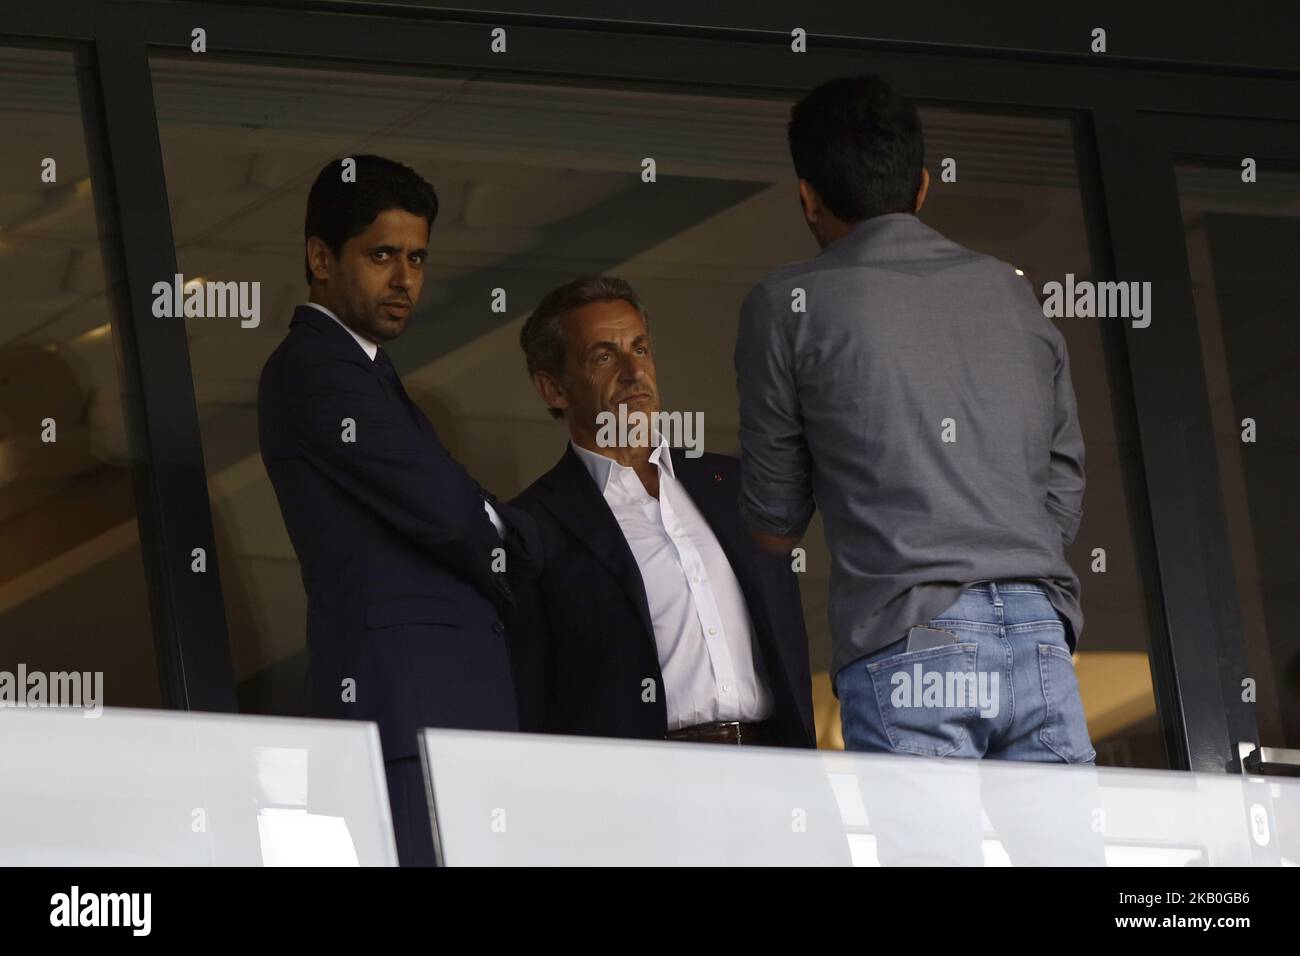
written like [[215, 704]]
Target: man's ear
[[550, 389], [809, 201], [319, 257], [923, 191]]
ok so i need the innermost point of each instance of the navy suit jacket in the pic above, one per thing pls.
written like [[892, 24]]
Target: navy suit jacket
[[580, 667], [395, 547]]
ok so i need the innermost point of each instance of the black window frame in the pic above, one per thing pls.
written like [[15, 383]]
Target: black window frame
[[1137, 113]]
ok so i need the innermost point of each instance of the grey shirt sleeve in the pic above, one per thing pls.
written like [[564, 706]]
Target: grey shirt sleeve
[[1065, 478], [776, 467]]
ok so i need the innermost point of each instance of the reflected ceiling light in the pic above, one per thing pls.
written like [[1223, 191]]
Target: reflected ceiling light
[[92, 335], [294, 837], [1019, 272]]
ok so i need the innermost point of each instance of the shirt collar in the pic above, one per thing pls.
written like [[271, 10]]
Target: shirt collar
[[370, 347], [602, 469], [860, 231]]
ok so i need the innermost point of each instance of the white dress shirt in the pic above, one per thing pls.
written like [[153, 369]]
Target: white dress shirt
[[372, 349], [701, 622], [369, 347]]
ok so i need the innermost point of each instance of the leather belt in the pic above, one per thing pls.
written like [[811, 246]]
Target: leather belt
[[738, 732]]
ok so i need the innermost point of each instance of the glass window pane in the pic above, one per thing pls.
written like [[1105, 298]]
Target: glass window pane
[[174, 788], [72, 584], [539, 184], [593, 802], [1243, 243]]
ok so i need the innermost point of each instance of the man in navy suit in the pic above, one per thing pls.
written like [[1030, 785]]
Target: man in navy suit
[[655, 615], [401, 550]]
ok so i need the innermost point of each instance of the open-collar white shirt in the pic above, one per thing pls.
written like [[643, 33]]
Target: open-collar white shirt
[[702, 627]]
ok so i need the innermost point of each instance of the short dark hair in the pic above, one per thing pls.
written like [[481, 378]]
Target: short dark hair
[[338, 210], [542, 337], [859, 144]]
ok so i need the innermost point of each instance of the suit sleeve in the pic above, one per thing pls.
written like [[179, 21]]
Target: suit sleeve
[[776, 466], [530, 635], [522, 538], [1065, 478], [348, 427]]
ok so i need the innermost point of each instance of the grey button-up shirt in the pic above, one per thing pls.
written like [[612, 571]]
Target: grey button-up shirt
[[914, 391]]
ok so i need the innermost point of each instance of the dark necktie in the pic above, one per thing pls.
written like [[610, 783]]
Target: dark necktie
[[389, 374], [386, 369]]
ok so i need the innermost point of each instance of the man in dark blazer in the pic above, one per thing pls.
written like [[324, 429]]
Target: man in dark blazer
[[655, 614], [401, 551]]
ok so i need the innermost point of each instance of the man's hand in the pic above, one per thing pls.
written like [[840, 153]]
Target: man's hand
[[774, 544], [523, 541]]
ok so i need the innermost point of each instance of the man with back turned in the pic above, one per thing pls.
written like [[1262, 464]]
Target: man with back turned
[[914, 391]]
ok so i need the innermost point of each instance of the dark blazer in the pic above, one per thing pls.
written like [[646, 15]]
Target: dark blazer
[[395, 547], [580, 667]]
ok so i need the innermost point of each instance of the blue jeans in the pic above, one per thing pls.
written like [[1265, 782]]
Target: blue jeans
[[1005, 690]]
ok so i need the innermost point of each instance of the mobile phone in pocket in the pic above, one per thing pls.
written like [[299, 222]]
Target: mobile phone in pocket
[[922, 638]]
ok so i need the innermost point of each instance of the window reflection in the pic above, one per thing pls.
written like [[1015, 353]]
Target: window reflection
[[540, 183], [72, 586], [1243, 241]]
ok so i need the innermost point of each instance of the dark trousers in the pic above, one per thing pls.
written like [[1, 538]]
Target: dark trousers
[[410, 809]]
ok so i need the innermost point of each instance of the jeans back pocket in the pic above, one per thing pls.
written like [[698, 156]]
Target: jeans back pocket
[[928, 699], [1065, 729]]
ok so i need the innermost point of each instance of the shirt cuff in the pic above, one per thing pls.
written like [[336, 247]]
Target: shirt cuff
[[496, 520], [793, 520]]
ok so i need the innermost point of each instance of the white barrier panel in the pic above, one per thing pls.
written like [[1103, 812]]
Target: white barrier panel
[[154, 787], [520, 799]]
